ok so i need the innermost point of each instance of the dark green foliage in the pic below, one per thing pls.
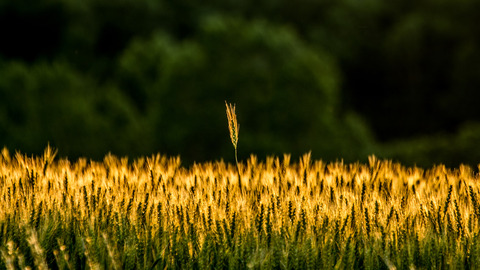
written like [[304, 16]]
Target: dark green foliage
[[54, 102], [151, 89], [151, 73]]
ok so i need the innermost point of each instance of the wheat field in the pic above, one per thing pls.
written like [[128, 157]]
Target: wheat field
[[153, 213]]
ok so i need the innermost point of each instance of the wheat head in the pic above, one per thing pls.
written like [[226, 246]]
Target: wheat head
[[233, 126]]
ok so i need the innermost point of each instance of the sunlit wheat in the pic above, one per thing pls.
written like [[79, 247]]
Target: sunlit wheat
[[234, 128], [303, 214]]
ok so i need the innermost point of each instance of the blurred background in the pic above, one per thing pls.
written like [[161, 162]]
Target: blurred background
[[342, 78]]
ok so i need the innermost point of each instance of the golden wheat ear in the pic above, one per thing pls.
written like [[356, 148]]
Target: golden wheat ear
[[233, 126]]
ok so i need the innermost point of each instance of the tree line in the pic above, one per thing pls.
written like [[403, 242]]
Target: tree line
[[341, 78]]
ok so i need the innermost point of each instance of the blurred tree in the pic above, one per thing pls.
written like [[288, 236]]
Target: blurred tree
[[286, 92], [409, 67], [417, 80], [449, 149], [53, 103]]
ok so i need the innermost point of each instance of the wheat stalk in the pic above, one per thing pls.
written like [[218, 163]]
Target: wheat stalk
[[234, 128]]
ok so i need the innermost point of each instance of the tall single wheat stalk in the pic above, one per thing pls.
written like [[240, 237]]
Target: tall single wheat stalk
[[234, 128]]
